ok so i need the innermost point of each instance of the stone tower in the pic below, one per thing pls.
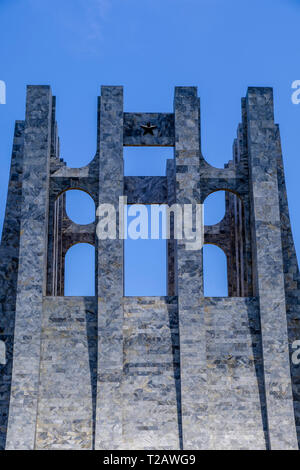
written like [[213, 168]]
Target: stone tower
[[182, 371]]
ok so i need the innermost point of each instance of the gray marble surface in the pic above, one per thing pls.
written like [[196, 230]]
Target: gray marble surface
[[162, 135], [182, 371]]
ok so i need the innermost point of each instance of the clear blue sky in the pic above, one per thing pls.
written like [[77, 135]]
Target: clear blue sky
[[150, 47]]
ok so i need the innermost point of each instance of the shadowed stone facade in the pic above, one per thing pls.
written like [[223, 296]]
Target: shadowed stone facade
[[177, 372]]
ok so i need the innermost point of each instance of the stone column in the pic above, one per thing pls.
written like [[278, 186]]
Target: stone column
[[268, 262], [32, 269], [171, 243], [9, 258], [189, 270], [110, 276]]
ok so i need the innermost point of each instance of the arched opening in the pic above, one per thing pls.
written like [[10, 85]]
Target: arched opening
[[71, 218], [80, 270], [214, 208], [227, 226], [215, 272], [80, 207]]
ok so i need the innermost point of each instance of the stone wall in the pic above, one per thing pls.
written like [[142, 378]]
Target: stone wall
[[9, 256], [150, 388], [68, 370], [182, 371], [150, 400], [233, 415]]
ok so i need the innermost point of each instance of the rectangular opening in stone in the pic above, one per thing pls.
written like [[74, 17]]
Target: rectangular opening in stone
[[146, 161], [145, 266]]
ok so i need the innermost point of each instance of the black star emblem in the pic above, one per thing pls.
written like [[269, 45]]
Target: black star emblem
[[148, 129]]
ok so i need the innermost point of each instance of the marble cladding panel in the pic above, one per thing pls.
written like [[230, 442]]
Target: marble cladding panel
[[110, 263], [151, 372], [162, 134], [267, 251], [68, 370], [232, 416], [9, 256], [291, 281], [189, 263], [146, 189], [32, 268]]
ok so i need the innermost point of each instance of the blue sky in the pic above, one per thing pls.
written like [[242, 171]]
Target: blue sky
[[149, 47]]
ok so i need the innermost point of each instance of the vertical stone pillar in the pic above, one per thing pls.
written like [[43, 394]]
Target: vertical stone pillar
[[110, 276], [32, 269], [9, 260], [189, 271], [268, 260], [171, 243], [243, 149]]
